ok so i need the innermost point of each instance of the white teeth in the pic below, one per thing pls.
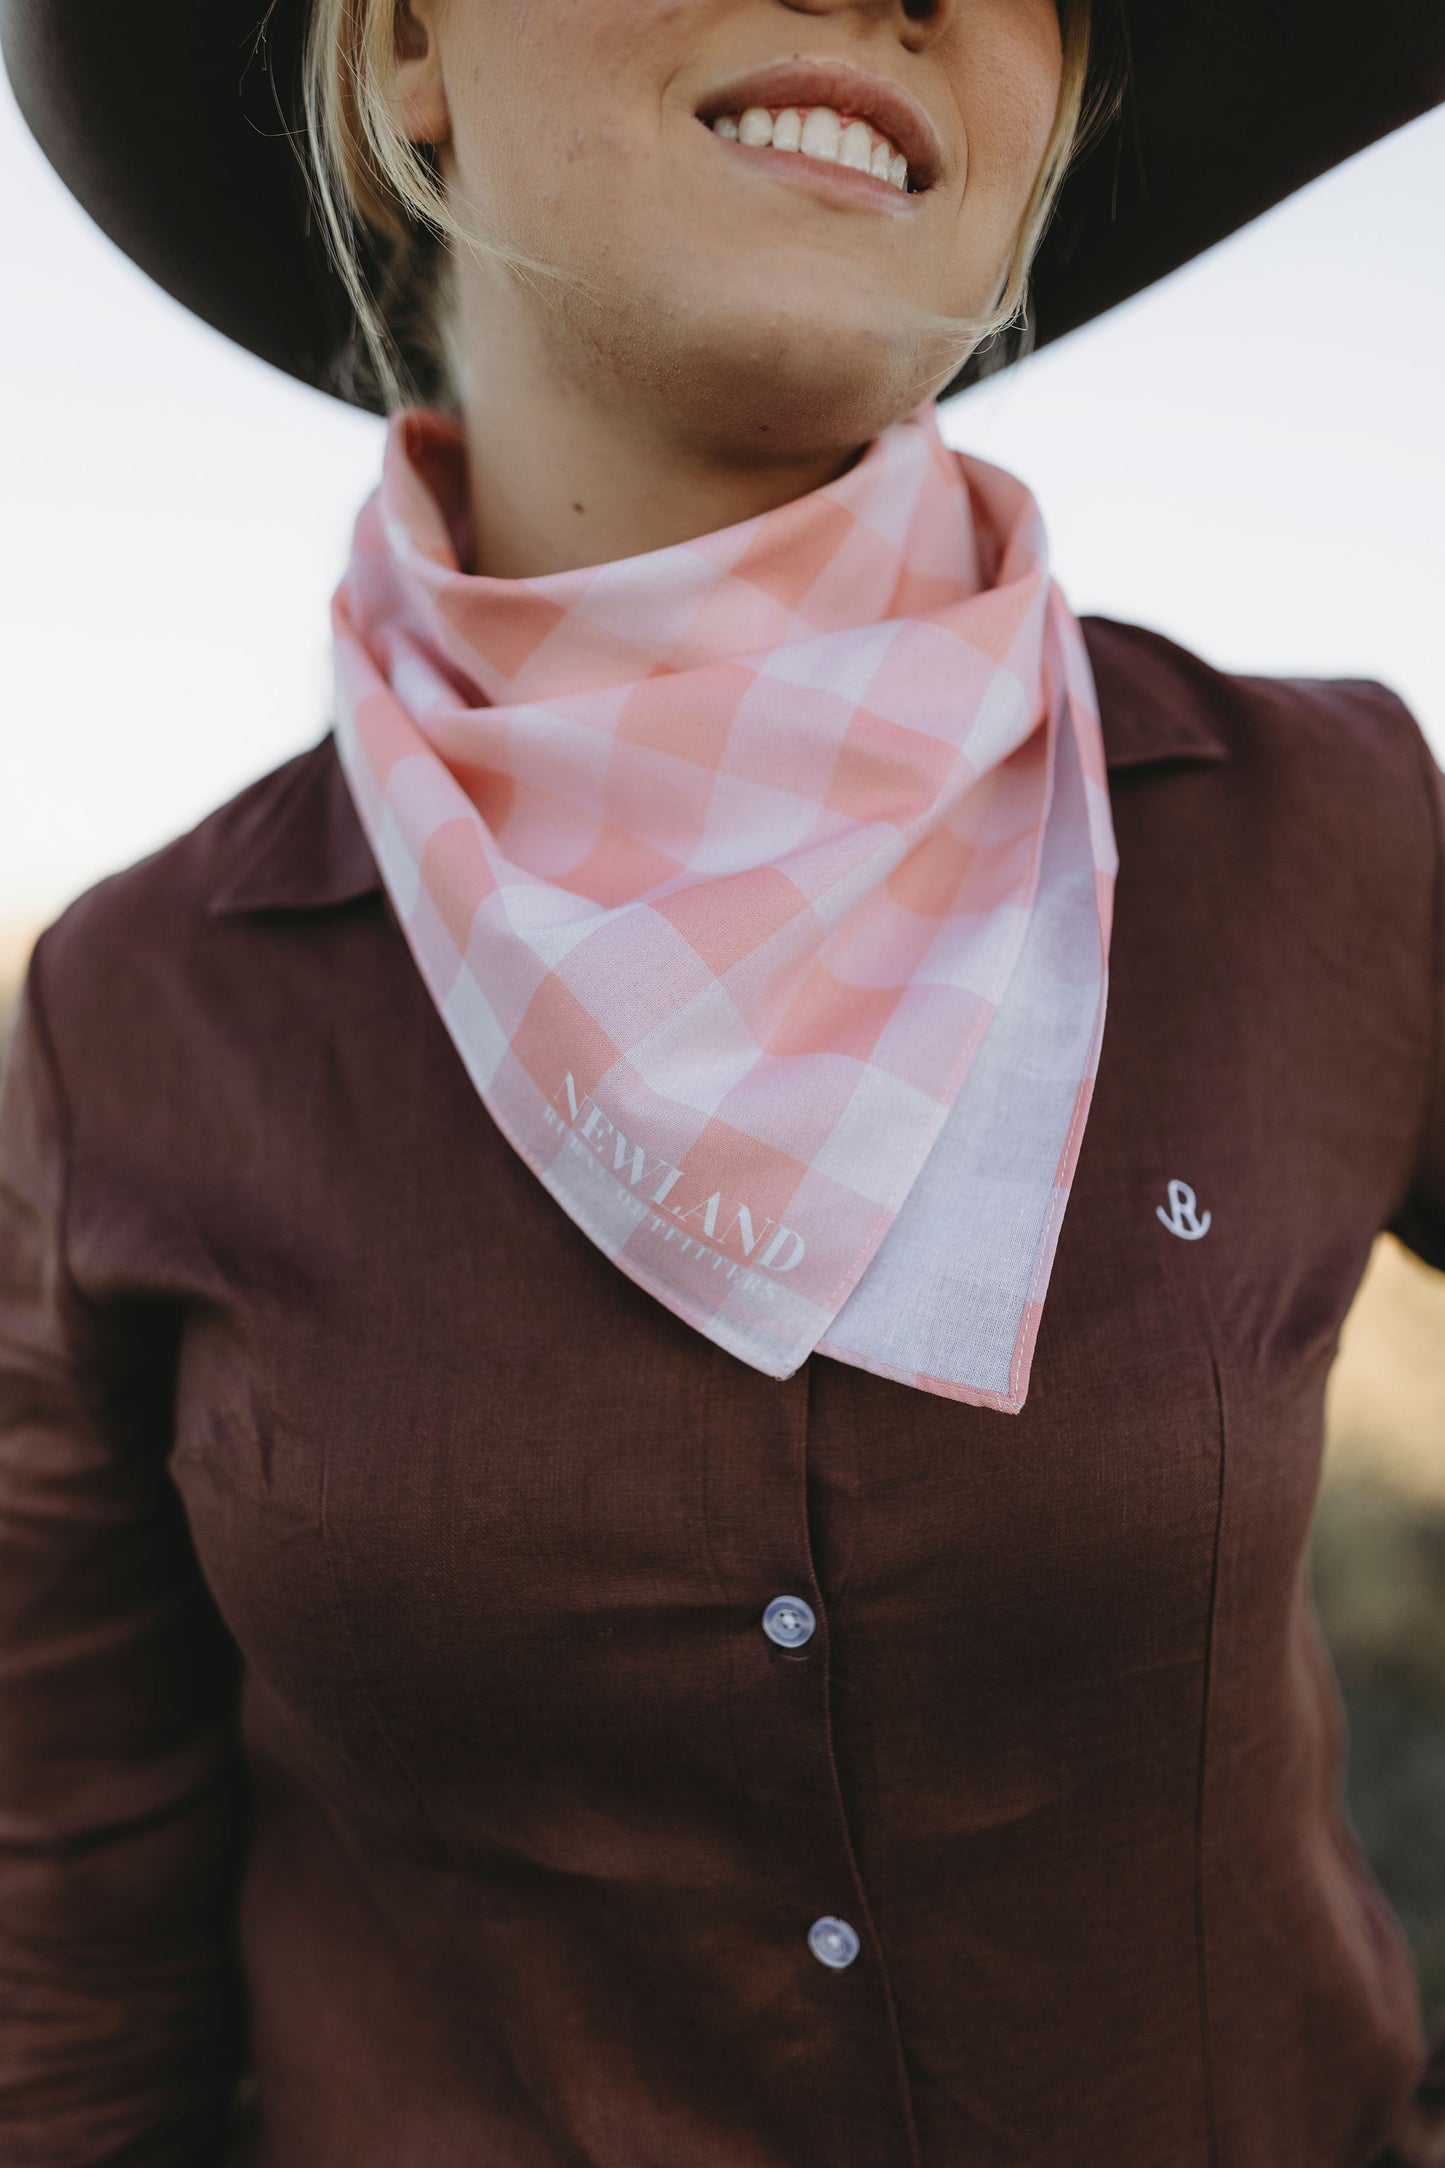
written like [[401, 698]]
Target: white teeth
[[855, 145], [822, 133], [818, 132]]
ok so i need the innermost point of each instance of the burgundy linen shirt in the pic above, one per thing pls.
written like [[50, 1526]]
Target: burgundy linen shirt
[[385, 1704]]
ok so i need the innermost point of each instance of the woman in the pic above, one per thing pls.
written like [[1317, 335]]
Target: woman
[[654, 1499]]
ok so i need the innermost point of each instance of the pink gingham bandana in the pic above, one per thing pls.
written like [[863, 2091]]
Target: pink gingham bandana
[[764, 885]]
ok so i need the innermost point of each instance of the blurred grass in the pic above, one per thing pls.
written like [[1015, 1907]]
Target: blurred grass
[[1377, 1563], [1377, 1558]]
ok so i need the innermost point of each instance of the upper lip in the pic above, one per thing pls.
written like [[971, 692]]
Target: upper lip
[[893, 111]]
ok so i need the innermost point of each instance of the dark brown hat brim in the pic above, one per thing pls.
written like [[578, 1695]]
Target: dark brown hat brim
[[1228, 108], [166, 123]]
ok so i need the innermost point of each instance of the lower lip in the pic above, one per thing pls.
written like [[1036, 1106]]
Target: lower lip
[[830, 183]]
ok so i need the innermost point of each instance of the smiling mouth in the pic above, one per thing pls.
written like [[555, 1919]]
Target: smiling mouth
[[822, 133]]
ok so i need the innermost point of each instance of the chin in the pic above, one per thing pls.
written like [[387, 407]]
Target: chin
[[802, 388]]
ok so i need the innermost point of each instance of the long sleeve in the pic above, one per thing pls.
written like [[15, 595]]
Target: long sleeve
[[1420, 1225], [123, 1803]]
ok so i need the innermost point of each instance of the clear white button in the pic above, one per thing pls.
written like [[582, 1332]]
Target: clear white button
[[833, 1942], [789, 1621]]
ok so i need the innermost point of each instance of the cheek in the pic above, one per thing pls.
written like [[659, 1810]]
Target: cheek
[[549, 104], [1010, 99]]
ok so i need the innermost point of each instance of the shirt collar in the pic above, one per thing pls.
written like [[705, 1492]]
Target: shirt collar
[[1157, 701], [301, 846]]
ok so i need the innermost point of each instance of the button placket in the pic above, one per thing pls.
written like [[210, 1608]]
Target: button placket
[[790, 1622], [759, 1531]]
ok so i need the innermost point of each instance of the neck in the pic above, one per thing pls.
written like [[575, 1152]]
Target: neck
[[564, 474]]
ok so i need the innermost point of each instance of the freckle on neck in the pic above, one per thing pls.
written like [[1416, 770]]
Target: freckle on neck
[[576, 507]]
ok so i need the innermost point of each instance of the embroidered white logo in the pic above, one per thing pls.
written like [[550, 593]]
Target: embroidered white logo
[[1182, 1218]]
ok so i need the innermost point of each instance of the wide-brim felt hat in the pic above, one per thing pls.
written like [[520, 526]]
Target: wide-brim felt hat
[[172, 122]]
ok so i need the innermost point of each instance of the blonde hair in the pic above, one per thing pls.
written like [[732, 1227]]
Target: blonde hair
[[388, 223]]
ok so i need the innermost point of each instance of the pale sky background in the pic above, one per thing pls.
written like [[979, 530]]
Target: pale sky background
[[1250, 458]]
